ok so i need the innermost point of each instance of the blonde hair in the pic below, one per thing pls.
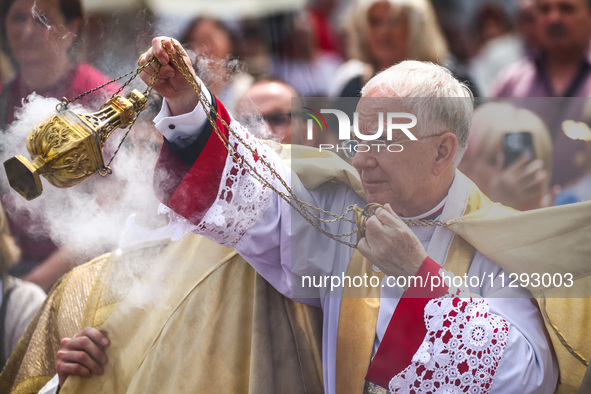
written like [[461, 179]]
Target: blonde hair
[[9, 251], [425, 40]]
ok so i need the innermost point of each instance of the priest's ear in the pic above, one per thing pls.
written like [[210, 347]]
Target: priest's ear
[[447, 145]]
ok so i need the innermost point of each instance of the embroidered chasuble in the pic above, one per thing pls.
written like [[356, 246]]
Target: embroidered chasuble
[[214, 325]]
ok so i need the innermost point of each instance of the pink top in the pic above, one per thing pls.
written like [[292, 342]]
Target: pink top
[[529, 79]]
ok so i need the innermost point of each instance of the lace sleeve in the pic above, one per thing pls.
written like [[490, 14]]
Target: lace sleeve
[[461, 351], [240, 197]]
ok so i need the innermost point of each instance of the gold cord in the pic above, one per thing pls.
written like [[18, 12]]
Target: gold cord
[[560, 335], [306, 210]]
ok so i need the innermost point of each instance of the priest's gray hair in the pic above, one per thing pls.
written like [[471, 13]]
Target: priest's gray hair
[[434, 95]]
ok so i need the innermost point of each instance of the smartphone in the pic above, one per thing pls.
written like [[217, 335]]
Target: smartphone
[[516, 144]]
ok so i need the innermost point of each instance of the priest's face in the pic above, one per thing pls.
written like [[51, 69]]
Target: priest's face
[[403, 179]]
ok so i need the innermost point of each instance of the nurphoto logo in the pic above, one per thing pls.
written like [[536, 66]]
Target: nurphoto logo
[[362, 142]]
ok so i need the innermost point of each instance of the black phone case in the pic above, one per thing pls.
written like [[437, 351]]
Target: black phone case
[[516, 144]]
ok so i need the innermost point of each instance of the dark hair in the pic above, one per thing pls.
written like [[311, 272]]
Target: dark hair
[[70, 9], [186, 38]]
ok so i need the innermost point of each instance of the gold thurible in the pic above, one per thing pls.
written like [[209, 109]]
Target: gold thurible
[[68, 148]]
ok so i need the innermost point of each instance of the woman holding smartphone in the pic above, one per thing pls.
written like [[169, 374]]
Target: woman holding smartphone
[[509, 156]]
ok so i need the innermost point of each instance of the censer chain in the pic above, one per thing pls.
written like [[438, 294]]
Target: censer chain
[[106, 170], [146, 94], [302, 207], [305, 209], [136, 72], [205, 103]]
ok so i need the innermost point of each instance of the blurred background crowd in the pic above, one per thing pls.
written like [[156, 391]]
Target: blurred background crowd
[[255, 55]]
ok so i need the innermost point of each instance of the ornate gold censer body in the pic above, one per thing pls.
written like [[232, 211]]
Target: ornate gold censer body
[[68, 147]]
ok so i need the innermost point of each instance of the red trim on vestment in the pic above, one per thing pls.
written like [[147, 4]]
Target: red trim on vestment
[[191, 192], [406, 330]]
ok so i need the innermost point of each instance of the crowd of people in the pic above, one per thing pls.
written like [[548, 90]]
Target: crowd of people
[[494, 86]]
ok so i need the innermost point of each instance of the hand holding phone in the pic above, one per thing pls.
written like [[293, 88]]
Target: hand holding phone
[[516, 144]]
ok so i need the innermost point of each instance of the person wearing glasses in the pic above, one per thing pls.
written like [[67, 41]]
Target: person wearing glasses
[[267, 103]]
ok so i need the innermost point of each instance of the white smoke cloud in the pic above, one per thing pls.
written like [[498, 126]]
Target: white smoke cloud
[[87, 218]]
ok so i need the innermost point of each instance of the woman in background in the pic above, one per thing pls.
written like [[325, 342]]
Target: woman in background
[[42, 38], [381, 33], [213, 46], [525, 183]]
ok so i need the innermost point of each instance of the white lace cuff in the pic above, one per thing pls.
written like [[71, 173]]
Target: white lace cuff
[[240, 197], [461, 351]]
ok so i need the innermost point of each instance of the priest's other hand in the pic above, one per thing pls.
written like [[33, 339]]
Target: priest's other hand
[[390, 245], [82, 355], [171, 83]]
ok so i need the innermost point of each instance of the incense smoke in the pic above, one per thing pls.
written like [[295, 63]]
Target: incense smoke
[[88, 217], [92, 217]]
